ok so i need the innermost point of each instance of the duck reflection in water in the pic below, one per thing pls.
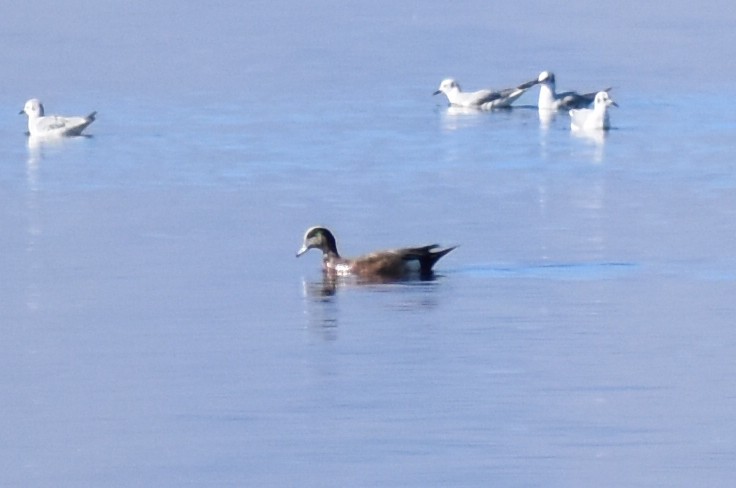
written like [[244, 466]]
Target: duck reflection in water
[[326, 288], [324, 311]]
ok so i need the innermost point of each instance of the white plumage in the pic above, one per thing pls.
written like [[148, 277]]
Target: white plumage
[[481, 99], [549, 99], [595, 118], [40, 125]]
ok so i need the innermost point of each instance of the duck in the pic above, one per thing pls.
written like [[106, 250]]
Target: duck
[[379, 265], [481, 99], [593, 119], [40, 125], [549, 99]]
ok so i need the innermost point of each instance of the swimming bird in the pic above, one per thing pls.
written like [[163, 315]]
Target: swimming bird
[[388, 264], [549, 99], [595, 118], [41, 125], [481, 99]]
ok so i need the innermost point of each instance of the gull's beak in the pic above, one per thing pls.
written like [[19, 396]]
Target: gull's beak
[[21, 112], [614, 103], [435, 93], [302, 250]]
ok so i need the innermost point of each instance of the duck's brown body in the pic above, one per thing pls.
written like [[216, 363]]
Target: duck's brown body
[[388, 264]]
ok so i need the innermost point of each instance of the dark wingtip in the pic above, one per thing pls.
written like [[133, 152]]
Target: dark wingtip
[[92, 116], [527, 85]]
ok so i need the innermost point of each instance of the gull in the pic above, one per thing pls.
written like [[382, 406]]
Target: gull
[[40, 125], [586, 119], [481, 99], [551, 100]]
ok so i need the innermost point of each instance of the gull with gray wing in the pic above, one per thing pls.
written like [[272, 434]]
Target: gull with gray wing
[[481, 99], [549, 99], [40, 125]]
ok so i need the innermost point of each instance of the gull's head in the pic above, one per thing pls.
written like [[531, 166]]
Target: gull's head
[[546, 77], [33, 108], [602, 99], [447, 86]]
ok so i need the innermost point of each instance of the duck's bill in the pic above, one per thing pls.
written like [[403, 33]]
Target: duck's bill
[[302, 250]]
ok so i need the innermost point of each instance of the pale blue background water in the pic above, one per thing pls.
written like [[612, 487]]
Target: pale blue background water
[[157, 330]]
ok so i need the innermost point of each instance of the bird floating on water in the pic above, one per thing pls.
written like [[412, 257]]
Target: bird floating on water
[[481, 99], [388, 264], [549, 99], [595, 118], [40, 125]]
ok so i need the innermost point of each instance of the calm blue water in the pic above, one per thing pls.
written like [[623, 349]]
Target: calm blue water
[[158, 331]]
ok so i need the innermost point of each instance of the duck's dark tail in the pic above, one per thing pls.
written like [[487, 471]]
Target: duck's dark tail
[[428, 256]]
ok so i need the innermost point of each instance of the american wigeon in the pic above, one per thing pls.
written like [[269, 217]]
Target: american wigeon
[[549, 99], [41, 125], [481, 99], [388, 264]]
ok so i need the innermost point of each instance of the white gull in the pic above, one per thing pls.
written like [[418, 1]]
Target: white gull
[[481, 99], [40, 125], [596, 118], [549, 99]]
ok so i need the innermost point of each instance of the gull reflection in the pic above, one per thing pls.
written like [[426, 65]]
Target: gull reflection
[[455, 111], [596, 138], [455, 118], [41, 146], [35, 150], [546, 117], [34, 229]]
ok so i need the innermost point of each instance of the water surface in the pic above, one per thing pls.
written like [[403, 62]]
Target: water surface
[[157, 329]]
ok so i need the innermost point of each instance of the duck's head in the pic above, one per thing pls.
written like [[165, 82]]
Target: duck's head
[[33, 108], [318, 238], [448, 85]]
